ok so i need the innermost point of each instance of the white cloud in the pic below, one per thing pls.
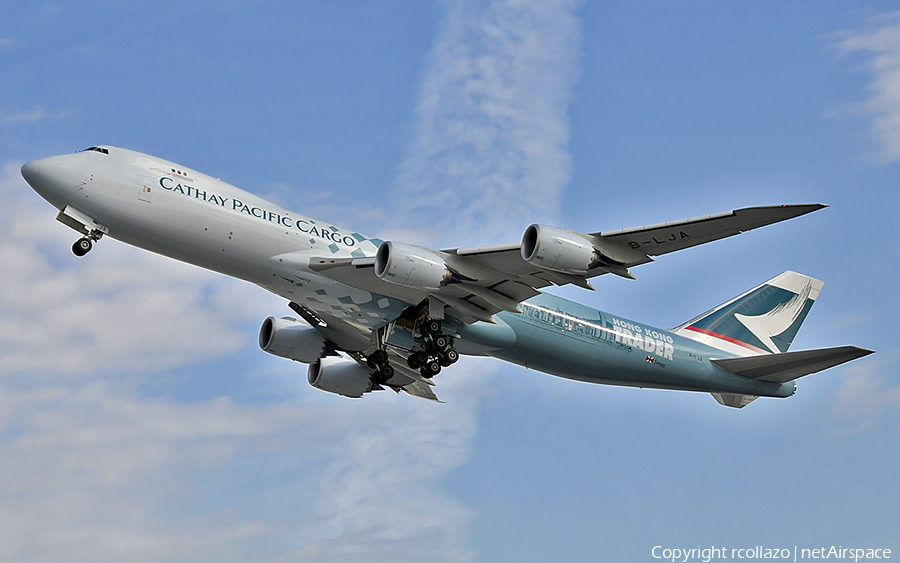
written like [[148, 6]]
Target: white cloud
[[86, 461], [86, 469], [882, 41], [489, 150], [380, 500], [97, 472], [93, 468], [29, 116], [867, 396]]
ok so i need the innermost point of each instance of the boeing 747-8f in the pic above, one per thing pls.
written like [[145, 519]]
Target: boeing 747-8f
[[374, 315]]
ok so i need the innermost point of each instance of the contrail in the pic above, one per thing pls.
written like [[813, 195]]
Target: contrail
[[489, 153], [882, 41]]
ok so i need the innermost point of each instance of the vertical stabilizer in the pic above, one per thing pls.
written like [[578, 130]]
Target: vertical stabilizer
[[764, 320]]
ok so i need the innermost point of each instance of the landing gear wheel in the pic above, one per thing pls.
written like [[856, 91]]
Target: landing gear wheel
[[82, 247], [417, 359], [452, 356], [432, 326], [380, 357], [431, 369], [381, 375], [379, 362], [441, 343]]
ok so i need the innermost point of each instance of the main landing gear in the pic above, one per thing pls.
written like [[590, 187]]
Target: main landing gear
[[378, 361], [438, 350]]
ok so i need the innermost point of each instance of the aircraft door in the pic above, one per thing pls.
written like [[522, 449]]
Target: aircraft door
[[145, 186]]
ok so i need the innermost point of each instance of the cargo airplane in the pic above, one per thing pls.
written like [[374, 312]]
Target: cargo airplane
[[374, 315]]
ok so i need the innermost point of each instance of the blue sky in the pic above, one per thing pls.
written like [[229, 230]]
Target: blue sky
[[138, 420]]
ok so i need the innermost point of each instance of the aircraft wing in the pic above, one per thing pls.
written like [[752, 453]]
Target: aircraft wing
[[654, 240], [489, 279]]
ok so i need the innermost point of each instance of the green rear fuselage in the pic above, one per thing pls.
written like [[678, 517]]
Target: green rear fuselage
[[570, 340]]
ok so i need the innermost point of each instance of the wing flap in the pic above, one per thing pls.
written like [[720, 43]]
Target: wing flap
[[781, 368], [419, 386], [734, 400], [419, 389]]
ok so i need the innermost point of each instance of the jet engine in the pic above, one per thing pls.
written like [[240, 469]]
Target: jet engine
[[410, 266], [289, 338], [559, 250], [339, 375]]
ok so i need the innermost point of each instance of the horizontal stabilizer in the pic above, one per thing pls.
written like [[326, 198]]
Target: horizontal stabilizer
[[781, 368]]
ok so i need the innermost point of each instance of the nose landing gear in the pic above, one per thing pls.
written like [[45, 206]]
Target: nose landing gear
[[84, 245], [91, 229]]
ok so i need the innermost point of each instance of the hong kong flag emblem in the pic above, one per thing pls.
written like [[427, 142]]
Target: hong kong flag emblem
[[650, 359]]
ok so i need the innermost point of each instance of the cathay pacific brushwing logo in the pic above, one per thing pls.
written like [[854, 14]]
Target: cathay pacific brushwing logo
[[776, 321]]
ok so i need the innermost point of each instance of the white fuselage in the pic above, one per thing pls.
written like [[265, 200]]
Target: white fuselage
[[166, 208]]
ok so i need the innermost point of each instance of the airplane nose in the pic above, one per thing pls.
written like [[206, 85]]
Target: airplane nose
[[31, 171], [55, 178]]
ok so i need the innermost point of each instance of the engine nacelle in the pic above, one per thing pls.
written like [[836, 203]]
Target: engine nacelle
[[289, 338], [410, 266], [559, 250], [341, 376]]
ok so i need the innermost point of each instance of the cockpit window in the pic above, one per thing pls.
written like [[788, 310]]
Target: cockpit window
[[97, 149]]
